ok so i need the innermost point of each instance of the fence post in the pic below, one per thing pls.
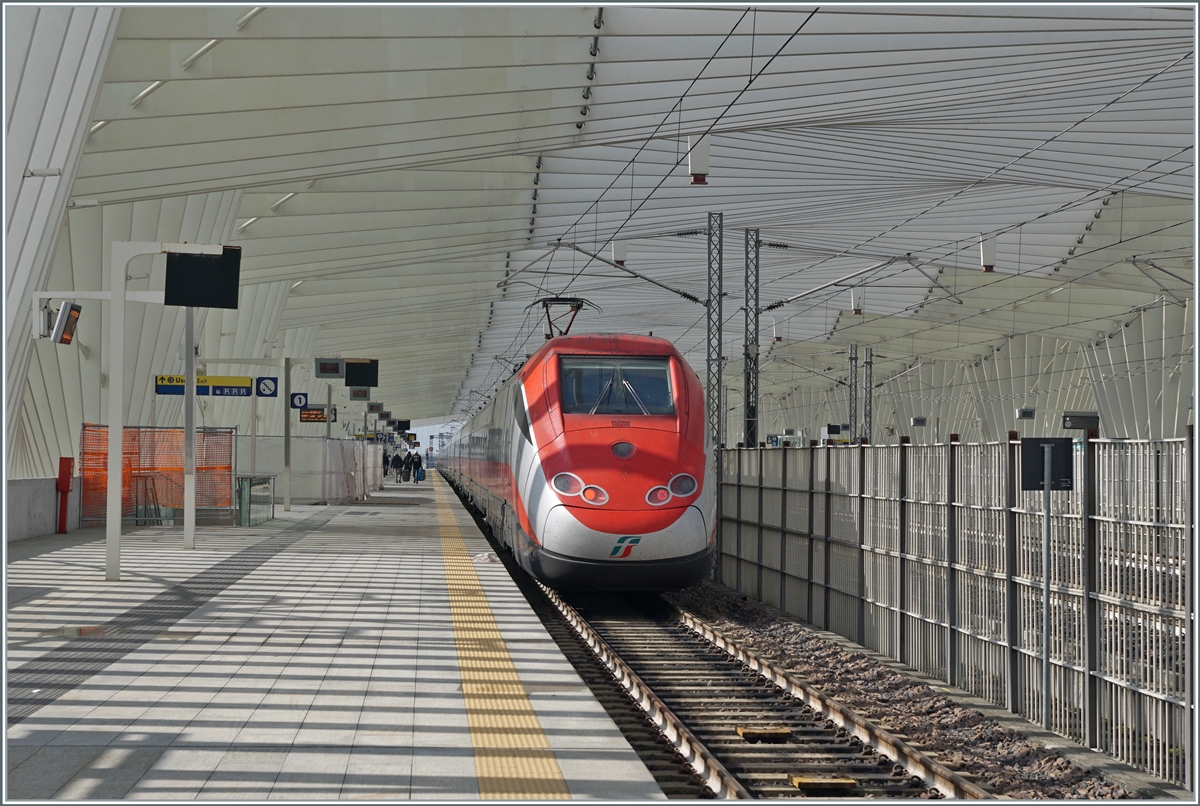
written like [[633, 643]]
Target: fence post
[[862, 538], [952, 619], [1189, 645], [783, 528], [828, 528], [1012, 611], [812, 500], [1091, 580], [759, 528], [902, 546]]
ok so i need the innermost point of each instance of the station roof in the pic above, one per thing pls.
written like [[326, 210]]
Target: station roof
[[406, 182]]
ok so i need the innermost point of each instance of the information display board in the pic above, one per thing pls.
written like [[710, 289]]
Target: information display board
[[329, 368]]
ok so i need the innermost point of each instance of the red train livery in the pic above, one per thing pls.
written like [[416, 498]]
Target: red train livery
[[591, 464]]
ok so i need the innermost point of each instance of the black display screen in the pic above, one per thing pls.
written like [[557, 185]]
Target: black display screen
[[365, 373], [204, 281]]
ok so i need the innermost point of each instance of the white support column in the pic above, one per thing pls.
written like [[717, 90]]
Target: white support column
[[189, 430], [287, 435], [122, 253]]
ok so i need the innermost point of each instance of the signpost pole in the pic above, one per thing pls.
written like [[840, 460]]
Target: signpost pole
[[253, 429], [325, 452], [1047, 453], [189, 429], [287, 435]]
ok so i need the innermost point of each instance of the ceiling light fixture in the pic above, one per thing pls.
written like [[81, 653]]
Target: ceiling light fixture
[[246, 223], [275, 206], [190, 60], [141, 96]]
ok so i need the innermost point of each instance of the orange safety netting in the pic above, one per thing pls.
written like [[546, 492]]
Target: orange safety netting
[[152, 469]]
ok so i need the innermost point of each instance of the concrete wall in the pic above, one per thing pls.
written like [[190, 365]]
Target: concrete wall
[[32, 508]]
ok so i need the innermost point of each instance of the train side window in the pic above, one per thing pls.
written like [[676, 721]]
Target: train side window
[[520, 413]]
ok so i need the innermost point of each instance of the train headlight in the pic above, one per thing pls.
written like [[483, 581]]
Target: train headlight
[[594, 495], [682, 485], [623, 450], [568, 484], [658, 496]]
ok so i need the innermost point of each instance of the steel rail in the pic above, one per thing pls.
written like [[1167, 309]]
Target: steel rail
[[916, 763], [718, 779]]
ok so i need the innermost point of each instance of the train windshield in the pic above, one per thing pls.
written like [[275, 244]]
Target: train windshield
[[609, 385]]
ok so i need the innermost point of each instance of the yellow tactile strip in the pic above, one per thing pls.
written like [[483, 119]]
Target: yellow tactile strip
[[513, 759]]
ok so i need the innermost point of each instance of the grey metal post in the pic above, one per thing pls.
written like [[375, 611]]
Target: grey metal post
[[189, 429], [868, 382], [1091, 582], [287, 435], [1012, 591], [325, 446], [750, 352], [1047, 453], [952, 615], [253, 430], [1189, 558], [853, 391]]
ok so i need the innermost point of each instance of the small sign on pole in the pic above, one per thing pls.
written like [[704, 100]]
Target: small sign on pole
[[1062, 466], [267, 387], [299, 400]]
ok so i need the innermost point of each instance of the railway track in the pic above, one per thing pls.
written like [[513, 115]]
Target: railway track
[[711, 719]]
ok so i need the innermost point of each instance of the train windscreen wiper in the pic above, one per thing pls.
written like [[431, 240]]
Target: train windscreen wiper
[[636, 399]]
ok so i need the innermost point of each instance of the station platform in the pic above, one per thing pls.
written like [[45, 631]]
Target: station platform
[[376, 650]]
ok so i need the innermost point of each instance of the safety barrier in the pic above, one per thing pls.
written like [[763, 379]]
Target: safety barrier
[[932, 555], [152, 472]]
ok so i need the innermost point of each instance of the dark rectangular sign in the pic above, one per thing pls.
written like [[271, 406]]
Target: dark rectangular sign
[[312, 415], [1062, 463], [374, 407], [204, 281], [402, 425], [362, 372]]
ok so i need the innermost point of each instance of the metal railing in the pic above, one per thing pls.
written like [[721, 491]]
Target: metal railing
[[932, 555], [255, 500]]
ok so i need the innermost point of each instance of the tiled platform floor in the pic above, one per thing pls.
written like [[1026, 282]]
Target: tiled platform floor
[[316, 656]]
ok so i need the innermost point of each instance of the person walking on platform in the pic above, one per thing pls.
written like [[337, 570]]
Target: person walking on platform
[[418, 472], [405, 465], [396, 464]]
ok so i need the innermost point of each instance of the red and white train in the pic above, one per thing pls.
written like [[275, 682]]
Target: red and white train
[[591, 464]]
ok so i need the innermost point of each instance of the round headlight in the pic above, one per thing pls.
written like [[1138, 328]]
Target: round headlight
[[567, 484], [594, 495], [683, 484], [658, 496], [623, 450]]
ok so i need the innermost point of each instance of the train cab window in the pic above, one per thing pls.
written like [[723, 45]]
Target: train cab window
[[611, 385]]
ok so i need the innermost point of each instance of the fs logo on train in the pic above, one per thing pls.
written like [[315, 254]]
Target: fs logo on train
[[624, 546]]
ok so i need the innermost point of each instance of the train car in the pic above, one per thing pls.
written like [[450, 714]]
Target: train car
[[592, 465]]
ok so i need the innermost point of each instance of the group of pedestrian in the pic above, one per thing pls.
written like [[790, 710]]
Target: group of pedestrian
[[405, 465]]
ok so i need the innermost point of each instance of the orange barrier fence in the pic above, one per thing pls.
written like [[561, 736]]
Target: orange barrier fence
[[152, 470]]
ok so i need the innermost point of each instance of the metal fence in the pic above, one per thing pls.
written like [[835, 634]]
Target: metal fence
[[932, 555]]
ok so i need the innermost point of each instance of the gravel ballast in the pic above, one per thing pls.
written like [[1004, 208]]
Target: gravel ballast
[[1010, 763]]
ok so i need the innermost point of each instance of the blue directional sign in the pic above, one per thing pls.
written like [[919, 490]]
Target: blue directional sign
[[267, 387], [299, 400]]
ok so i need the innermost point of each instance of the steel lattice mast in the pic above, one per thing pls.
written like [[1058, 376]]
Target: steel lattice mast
[[716, 248], [750, 356]]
